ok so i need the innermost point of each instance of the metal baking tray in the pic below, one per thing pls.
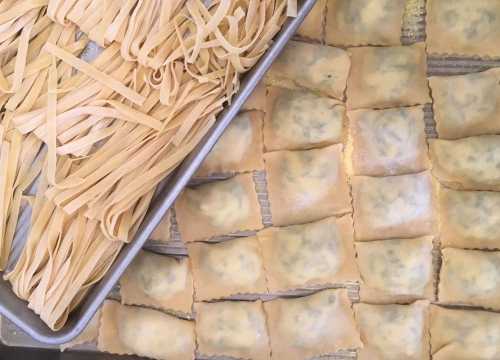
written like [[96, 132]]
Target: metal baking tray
[[17, 311]]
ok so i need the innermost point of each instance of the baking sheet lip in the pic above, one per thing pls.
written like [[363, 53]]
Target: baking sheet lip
[[17, 311]]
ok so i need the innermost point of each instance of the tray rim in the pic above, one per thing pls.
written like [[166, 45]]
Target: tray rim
[[17, 311]]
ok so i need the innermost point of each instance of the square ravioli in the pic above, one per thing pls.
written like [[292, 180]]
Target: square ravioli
[[160, 281], [396, 270], [311, 326], [320, 68], [466, 105], [464, 334], [364, 22], [471, 163], [393, 332], [306, 185], [218, 208], [470, 277], [235, 329], [463, 27], [88, 335], [299, 119], [469, 219], [388, 77], [227, 268], [131, 330], [162, 231], [393, 207], [312, 26], [318, 253], [239, 149], [388, 142], [257, 99]]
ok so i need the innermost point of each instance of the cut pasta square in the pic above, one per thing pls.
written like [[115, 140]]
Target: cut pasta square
[[312, 26], [299, 119], [159, 281], [388, 142], [218, 208], [393, 207], [313, 254], [239, 149], [162, 231], [388, 77], [257, 99], [469, 219], [130, 330], [464, 334], [396, 270], [306, 185], [470, 277], [463, 27], [364, 22], [235, 329], [227, 268], [471, 163], [466, 105], [311, 326], [320, 68], [393, 332]]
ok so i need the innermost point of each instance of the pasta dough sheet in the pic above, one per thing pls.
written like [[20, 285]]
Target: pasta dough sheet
[[469, 219], [318, 253], [299, 119], [364, 22], [162, 231], [396, 271], [464, 334], [394, 332], [470, 277], [158, 281], [393, 207], [388, 142], [234, 329], [463, 27], [311, 326], [218, 208], [130, 330], [312, 26], [469, 164], [239, 149], [227, 268], [306, 185], [320, 68], [388, 77], [257, 99], [466, 105]]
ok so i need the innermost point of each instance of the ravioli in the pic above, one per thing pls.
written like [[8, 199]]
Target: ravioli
[[318, 253], [159, 281], [311, 326], [387, 77], [470, 277], [364, 22], [234, 329], [227, 268], [162, 231], [400, 206], [130, 330], [472, 163], [257, 99], [388, 142], [463, 27], [464, 334], [469, 219], [218, 208], [396, 270], [466, 105], [312, 26], [323, 69], [306, 185], [393, 332], [299, 119], [239, 149]]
